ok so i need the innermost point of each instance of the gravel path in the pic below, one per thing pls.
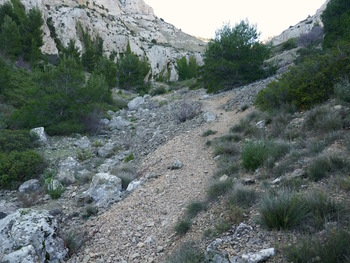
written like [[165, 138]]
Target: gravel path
[[140, 228]]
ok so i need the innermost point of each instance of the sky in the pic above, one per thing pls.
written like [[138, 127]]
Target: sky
[[202, 18]]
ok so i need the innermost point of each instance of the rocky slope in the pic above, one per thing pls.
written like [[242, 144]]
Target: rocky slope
[[118, 22]]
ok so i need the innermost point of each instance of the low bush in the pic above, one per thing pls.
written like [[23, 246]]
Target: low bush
[[17, 167], [187, 253], [183, 226], [334, 247], [342, 90], [208, 133], [319, 168], [242, 197], [283, 210], [186, 110], [219, 188], [90, 210], [195, 208]]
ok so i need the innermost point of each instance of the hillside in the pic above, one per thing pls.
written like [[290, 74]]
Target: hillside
[[258, 173]]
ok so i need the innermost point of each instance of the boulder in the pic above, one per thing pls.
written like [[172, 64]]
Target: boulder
[[83, 143], [30, 186], [261, 256], [105, 189], [107, 150], [209, 116], [53, 185], [40, 134], [67, 169], [136, 103], [133, 186], [176, 165], [118, 123], [30, 236]]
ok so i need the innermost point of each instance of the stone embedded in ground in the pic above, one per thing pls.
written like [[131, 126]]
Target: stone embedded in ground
[[176, 165], [83, 143], [67, 170], [118, 122], [30, 186], [209, 116], [107, 150], [298, 173], [133, 186], [105, 189], [30, 236], [136, 103], [261, 256]]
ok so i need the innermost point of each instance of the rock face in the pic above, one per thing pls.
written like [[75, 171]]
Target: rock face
[[30, 236], [302, 27], [118, 22]]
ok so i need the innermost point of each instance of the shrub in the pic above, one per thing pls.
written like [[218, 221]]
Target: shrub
[[235, 57], [208, 133], [90, 210], [242, 197], [254, 155], [187, 252], [322, 120], [129, 158], [235, 214], [127, 178], [335, 247], [187, 69], [15, 140], [289, 44], [195, 208], [342, 90], [186, 110], [323, 209], [73, 241], [319, 168], [182, 227], [283, 210], [226, 148], [219, 188], [16, 167]]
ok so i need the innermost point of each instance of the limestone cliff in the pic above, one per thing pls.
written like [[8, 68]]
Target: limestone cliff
[[302, 27], [118, 22]]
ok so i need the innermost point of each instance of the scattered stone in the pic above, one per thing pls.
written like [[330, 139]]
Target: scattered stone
[[107, 150], [276, 181], [67, 169], [83, 143], [261, 124], [337, 107], [248, 181], [261, 256], [209, 116], [133, 186], [118, 123], [176, 165], [223, 178], [136, 103], [298, 173], [40, 134], [30, 186]]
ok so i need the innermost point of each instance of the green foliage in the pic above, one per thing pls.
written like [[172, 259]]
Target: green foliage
[[107, 68], [219, 188], [15, 140], [187, 69], [254, 155], [129, 158], [309, 83], [193, 209], [187, 253], [242, 197], [289, 44], [336, 20], [235, 57], [208, 133], [182, 227], [16, 167], [283, 210], [342, 90], [334, 247], [131, 72], [10, 38], [319, 169]]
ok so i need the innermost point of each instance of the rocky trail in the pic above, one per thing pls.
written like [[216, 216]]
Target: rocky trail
[[141, 227]]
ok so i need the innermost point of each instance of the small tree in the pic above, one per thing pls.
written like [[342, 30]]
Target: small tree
[[132, 71], [235, 57], [187, 69], [10, 38]]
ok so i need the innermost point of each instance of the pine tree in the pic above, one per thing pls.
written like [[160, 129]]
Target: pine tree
[[10, 38]]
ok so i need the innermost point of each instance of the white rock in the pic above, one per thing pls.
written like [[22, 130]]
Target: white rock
[[136, 103], [133, 186], [40, 134], [260, 256], [209, 116], [30, 186]]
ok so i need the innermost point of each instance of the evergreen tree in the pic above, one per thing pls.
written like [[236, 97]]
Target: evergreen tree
[[10, 38], [235, 57], [108, 68], [131, 70]]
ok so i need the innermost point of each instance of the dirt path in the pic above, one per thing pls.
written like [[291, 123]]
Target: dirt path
[[140, 228]]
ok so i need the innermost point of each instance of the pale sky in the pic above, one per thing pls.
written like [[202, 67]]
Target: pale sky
[[202, 18]]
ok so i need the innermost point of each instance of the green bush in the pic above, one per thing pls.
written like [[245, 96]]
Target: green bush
[[195, 208], [319, 168], [254, 154], [182, 227], [17, 167], [289, 44], [219, 188], [187, 253], [283, 210], [242, 197], [15, 140], [342, 90], [335, 247], [187, 69], [235, 57]]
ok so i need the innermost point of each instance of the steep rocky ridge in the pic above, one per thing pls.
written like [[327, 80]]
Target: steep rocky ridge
[[302, 27], [118, 22]]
